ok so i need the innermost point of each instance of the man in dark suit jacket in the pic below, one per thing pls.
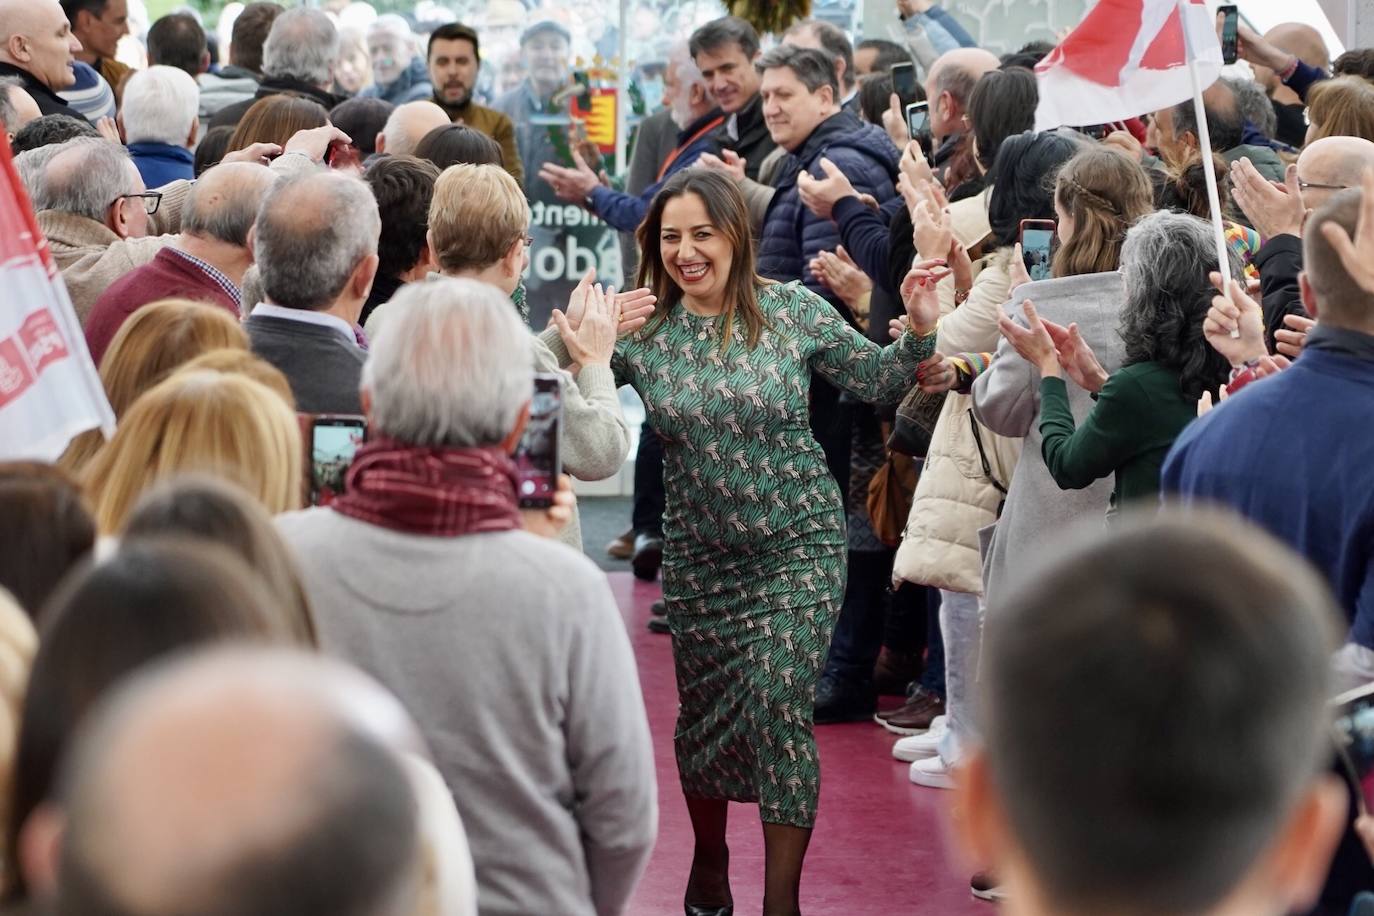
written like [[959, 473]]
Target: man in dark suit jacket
[[315, 243]]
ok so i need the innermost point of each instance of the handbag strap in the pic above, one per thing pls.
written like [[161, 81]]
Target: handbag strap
[[987, 465]]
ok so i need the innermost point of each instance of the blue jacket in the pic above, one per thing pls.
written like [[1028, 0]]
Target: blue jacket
[[1294, 454], [793, 235], [412, 85], [162, 163], [626, 211]]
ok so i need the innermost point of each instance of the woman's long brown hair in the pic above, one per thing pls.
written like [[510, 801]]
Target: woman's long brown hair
[[730, 216]]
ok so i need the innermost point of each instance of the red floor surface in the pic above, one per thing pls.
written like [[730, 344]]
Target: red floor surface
[[880, 847]]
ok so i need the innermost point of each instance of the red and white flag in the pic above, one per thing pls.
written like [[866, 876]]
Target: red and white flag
[[1126, 58], [49, 388]]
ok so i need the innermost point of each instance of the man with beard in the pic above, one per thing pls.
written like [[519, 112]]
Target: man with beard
[[454, 59]]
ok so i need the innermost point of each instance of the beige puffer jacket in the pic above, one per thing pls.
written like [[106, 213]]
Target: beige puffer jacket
[[955, 497]]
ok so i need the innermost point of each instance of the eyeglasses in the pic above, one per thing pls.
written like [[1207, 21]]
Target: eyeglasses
[[151, 200], [1304, 185], [529, 241]]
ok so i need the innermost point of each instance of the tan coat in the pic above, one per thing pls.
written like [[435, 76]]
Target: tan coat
[[955, 497]]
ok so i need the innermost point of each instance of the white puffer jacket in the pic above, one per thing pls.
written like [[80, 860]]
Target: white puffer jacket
[[956, 496]]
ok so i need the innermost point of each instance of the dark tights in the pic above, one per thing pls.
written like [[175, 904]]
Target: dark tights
[[784, 850]]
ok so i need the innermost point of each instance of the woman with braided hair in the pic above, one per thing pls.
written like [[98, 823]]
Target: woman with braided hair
[[1100, 193]]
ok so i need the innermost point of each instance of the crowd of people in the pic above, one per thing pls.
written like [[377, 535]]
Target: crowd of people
[[1082, 525]]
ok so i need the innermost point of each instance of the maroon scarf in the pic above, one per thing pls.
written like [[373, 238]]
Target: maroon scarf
[[437, 491]]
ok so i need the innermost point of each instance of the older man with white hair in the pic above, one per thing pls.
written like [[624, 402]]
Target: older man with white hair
[[400, 73], [688, 96], [507, 647], [297, 58], [315, 243], [407, 126], [161, 123]]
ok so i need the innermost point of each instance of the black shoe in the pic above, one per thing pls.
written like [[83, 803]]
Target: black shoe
[[659, 608], [648, 556], [837, 702], [659, 625], [692, 909]]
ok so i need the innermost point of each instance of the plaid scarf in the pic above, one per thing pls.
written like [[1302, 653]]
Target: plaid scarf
[[445, 492]]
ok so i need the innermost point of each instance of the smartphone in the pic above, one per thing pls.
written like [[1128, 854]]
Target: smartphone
[[1037, 246], [1354, 715], [918, 119], [334, 440], [341, 155], [904, 80], [537, 459], [1230, 32]]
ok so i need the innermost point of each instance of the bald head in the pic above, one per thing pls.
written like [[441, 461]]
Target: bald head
[[1300, 39], [223, 204], [950, 82], [408, 125], [1337, 161], [36, 36], [1295, 38], [230, 783]]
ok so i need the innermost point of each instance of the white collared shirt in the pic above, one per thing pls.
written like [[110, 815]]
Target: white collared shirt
[[268, 310]]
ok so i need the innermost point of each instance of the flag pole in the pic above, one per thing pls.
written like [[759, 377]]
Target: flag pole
[[1205, 145]]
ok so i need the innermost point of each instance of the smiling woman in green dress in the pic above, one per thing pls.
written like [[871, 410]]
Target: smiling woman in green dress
[[754, 563]]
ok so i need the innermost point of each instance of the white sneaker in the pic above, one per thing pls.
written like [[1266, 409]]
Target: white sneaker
[[932, 772], [919, 747]]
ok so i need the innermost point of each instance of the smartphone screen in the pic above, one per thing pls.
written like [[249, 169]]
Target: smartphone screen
[[537, 461], [917, 119], [904, 80], [333, 442], [1230, 32], [1037, 247], [1355, 737]]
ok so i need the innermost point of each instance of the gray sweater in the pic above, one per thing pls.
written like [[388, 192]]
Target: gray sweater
[[509, 651], [1006, 399]]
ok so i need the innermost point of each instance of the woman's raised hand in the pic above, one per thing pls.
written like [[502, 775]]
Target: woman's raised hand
[[592, 342], [1033, 342], [919, 296]]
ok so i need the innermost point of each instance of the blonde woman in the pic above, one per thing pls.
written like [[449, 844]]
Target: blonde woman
[[224, 424], [156, 340]]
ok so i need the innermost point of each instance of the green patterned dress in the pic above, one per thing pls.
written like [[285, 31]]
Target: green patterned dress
[[754, 565]]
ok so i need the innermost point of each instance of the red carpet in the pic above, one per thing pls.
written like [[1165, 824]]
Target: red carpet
[[879, 849]]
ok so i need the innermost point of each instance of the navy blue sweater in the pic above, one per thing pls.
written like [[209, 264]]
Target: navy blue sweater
[[1295, 454]]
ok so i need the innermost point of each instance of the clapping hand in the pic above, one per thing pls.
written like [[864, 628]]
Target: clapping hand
[[636, 305], [1033, 342], [820, 195], [728, 162], [838, 272], [592, 343], [1357, 255], [1077, 359], [1273, 210], [1292, 337], [932, 232], [919, 296]]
